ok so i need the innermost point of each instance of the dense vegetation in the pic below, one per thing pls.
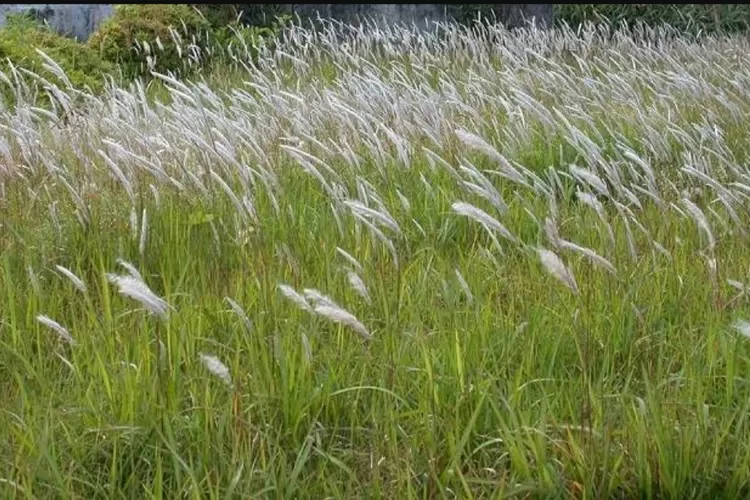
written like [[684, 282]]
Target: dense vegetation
[[191, 39], [382, 263], [686, 18], [175, 39]]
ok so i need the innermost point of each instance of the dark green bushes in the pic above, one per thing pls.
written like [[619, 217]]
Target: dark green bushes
[[178, 39], [260, 15], [145, 37], [20, 38], [686, 18]]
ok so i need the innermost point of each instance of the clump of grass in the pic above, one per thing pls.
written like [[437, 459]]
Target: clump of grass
[[467, 263]]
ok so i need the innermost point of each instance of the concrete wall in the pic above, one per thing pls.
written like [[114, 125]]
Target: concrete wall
[[77, 20]]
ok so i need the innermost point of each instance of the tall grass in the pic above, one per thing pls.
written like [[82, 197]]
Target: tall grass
[[385, 263]]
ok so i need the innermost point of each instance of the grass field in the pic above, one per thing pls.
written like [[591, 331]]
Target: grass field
[[385, 264]]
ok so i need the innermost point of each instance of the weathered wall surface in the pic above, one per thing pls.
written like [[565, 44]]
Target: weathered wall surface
[[77, 20]]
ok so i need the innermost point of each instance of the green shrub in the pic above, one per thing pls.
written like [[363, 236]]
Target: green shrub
[[120, 39], [219, 15], [470, 12], [244, 27], [686, 18], [261, 15], [21, 36]]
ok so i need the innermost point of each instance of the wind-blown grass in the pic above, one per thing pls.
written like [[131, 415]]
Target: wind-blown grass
[[396, 264]]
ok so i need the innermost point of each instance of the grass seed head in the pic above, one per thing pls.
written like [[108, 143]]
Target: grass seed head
[[339, 315], [77, 282], [61, 331], [291, 294], [555, 266], [136, 289], [217, 368]]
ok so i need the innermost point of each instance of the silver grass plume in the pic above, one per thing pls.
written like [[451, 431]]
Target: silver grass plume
[[354, 262], [358, 285], [700, 219], [339, 315], [479, 215], [217, 368], [77, 282], [240, 313], [291, 294], [61, 331], [136, 289], [555, 266], [742, 327]]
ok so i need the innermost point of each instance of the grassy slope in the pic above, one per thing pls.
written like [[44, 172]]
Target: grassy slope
[[636, 386]]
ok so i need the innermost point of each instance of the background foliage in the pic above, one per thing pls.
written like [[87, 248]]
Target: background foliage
[[164, 37], [687, 18], [119, 39]]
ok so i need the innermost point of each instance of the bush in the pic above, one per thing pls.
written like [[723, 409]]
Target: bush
[[260, 15], [167, 31], [21, 36], [686, 18]]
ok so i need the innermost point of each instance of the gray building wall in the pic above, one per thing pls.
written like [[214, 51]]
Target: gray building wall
[[77, 20]]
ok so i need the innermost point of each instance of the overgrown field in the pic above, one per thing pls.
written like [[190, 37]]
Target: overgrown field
[[385, 264]]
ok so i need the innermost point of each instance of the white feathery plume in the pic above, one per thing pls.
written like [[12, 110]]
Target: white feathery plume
[[555, 266], [742, 327], [130, 268], [241, 313], [217, 368], [61, 331], [291, 294], [700, 219], [137, 289], [339, 315], [358, 285], [550, 230], [316, 297], [33, 278], [475, 142], [77, 282], [483, 217], [590, 178], [736, 284], [134, 223], [595, 258], [350, 259]]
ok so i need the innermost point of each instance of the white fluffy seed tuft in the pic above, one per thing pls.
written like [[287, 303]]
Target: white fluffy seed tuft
[[132, 287], [77, 282], [61, 331], [358, 286], [291, 294], [217, 368], [743, 327], [555, 266], [339, 315]]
